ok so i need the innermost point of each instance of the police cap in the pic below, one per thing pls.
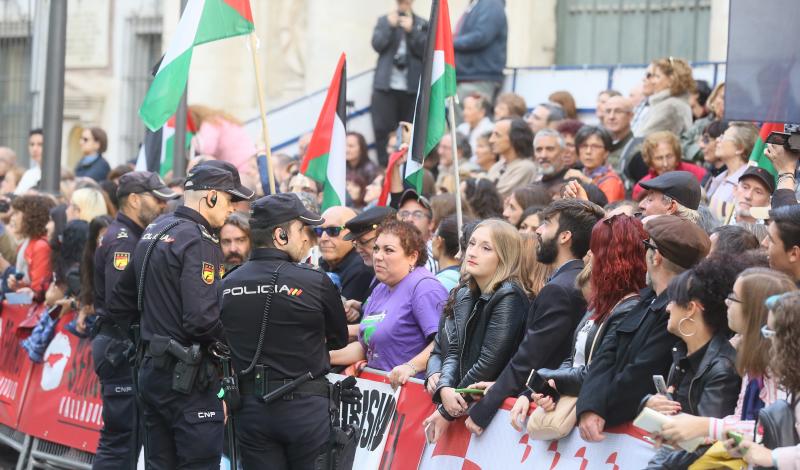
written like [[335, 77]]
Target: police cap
[[367, 221], [136, 182], [220, 176], [276, 209]]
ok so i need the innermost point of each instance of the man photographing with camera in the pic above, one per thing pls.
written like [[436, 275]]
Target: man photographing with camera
[[399, 39]]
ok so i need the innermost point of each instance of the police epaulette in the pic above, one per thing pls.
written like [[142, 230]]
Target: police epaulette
[[206, 234]]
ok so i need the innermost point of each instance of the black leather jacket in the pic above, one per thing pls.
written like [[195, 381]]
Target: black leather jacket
[[440, 346], [713, 392], [484, 334], [569, 379]]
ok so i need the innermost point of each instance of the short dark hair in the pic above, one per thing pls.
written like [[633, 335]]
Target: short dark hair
[[35, 210], [38, 130], [410, 238], [521, 137], [787, 220], [733, 239], [448, 230], [709, 282], [483, 102], [262, 237], [557, 112], [464, 148], [577, 217], [587, 131]]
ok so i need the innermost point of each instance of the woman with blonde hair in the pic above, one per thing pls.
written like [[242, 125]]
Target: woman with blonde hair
[[747, 314], [488, 319], [86, 204], [532, 273]]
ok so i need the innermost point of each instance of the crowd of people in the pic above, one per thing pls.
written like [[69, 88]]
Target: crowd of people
[[597, 254]]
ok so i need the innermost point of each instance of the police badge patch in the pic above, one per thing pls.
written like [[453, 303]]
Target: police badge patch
[[121, 260], [208, 273]]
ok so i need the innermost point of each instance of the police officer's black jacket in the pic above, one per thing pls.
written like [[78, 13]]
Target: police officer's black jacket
[[306, 316], [181, 299], [112, 257]]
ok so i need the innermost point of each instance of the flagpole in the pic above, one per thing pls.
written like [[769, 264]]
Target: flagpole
[[262, 107], [459, 219]]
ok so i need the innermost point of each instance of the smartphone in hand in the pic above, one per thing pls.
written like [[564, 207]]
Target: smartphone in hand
[[661, 386], [537, 384]]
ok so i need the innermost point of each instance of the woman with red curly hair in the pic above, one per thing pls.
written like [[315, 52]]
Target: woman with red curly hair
[[618, 274]]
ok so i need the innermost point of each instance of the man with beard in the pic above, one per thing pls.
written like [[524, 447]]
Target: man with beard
[[563, 238], [142, 197], [548, 148], [234, 239]]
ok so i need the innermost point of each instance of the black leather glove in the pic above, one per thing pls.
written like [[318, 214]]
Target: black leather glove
[[349, 393]]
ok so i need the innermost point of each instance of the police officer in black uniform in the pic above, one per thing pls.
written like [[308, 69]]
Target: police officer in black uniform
[[303, 320], [175, 298], [142, 197]]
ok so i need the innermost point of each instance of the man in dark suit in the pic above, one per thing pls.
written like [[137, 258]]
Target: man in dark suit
[[621, 371], [563, 242]]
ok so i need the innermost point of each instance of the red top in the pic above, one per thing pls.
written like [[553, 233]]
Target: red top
[[37, 255], [611, 185], [698, 172]]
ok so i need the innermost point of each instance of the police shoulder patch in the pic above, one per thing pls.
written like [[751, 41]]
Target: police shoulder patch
[[208, 273], [121, 260]]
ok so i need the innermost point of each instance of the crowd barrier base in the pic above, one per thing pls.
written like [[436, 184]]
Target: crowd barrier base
[[46, 454], [18, 441]]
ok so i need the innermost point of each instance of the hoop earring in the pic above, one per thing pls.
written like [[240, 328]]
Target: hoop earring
[[680, 330], [410, 269]]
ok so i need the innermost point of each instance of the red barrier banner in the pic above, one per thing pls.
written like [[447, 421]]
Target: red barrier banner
[[64, 404], [15, 367]]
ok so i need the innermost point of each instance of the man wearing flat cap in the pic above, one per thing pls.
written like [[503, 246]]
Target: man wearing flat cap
[[362, 233], [623, 368], [673, 193], [142, 197], [170, 288], [281, 318]]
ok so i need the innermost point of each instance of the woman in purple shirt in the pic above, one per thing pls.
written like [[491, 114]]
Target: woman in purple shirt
[[402, 314]]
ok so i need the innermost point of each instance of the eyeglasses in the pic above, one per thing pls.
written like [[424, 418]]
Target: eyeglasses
[[363, 243], [731, 299], [418, 215], [649, 245], [331, 231], [767, 332]]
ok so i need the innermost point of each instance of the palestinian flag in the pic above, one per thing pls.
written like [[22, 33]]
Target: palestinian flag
[[757, 157], [202, 21], [437, 83], [156, 152], [325, 159]]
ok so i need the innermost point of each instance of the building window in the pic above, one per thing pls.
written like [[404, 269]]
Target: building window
[[15, 93], [143, 37]]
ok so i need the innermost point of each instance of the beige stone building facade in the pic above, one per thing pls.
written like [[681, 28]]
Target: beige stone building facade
[[113, 44]]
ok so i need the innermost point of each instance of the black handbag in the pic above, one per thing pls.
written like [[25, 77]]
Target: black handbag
[[777, 421]]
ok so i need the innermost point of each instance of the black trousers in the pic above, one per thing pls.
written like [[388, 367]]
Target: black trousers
[[283, 434], [116, 448], [182, 431], [388, 109]]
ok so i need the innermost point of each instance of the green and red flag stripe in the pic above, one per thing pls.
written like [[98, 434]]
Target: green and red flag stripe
[[202, 21], [437, 83], [757, 157], [325, 158]]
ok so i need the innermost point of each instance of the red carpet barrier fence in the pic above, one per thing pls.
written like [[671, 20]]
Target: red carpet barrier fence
[[60, 401]]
